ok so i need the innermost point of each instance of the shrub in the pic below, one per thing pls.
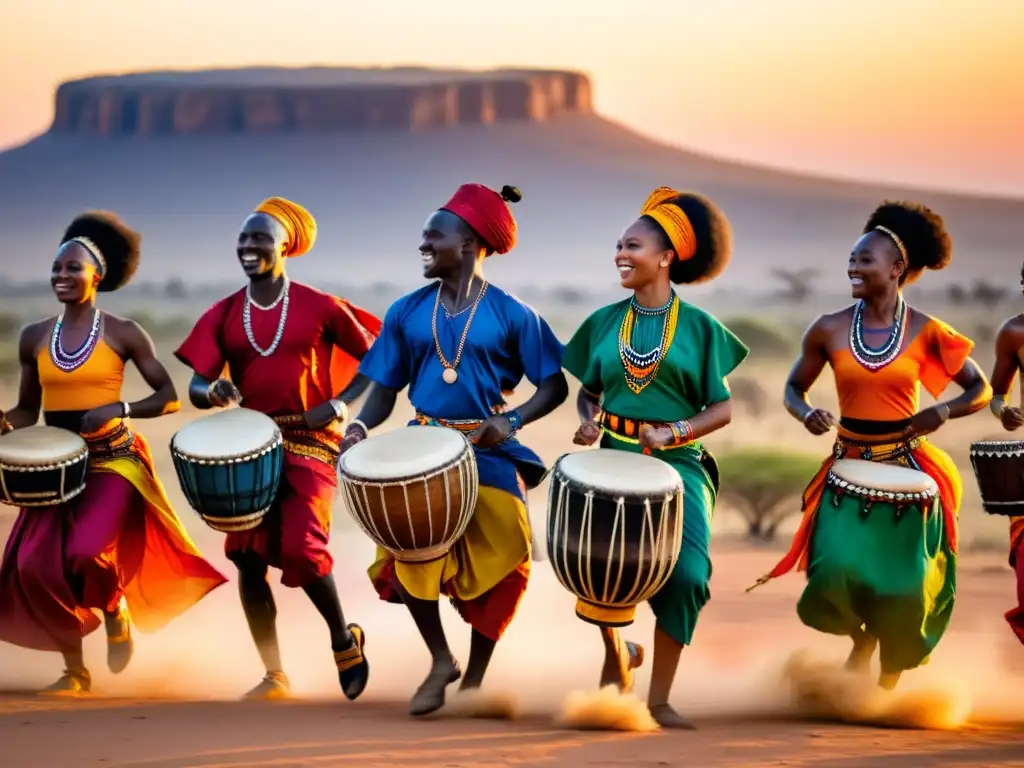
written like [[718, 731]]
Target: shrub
[[765, 484]]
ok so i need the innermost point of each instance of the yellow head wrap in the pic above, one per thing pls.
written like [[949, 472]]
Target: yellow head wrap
[[297, 222], [672, 219]]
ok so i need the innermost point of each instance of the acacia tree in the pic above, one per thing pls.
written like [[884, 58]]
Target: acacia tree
[[764, 485]]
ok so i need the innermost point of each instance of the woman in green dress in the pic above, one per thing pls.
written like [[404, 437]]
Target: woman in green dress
[[653, 373]]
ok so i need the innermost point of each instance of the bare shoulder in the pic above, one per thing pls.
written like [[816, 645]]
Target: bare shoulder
[[1011, 332], [122, 327], [33, 336], [830, 323]]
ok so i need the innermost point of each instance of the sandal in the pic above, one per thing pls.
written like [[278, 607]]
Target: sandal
[[120, 645], [353, 668]]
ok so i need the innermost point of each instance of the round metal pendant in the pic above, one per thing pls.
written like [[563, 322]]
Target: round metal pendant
[[449, 376]]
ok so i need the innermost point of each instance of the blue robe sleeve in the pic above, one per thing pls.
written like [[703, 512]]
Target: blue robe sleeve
[[539, 348], [387, 361]]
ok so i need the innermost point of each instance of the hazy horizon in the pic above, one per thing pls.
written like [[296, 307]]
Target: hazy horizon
[[865, 91]]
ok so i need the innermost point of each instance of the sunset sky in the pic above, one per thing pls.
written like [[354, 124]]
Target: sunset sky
[[927, 92]]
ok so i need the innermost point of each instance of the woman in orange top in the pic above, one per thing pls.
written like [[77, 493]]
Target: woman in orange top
[[1009, 360], [117, 548], [898, 595]]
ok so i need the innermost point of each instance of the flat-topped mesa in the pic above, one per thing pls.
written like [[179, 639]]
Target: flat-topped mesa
[[317, 100]]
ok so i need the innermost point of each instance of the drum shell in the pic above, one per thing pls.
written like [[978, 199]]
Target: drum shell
[[416, 519], [626, 557], [25, 486], [233, 494], [999, 471]]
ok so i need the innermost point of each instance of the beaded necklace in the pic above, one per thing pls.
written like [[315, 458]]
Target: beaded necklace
[[247, 317], [69, 361], [876, 359], [642, 368]]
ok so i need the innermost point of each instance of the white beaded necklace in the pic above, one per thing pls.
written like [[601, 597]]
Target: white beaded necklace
[[247, 317]]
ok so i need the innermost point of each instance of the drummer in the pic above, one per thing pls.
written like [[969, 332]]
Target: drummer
[[881, 351], [292, 353], [653, 372], [118, 548], [459, 343], [1009, 343]]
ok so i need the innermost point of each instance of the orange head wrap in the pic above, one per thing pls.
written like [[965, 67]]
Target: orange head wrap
[[298, 223], [673, 220], [487, 212]]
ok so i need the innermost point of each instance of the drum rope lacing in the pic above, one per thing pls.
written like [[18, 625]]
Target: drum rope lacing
[[247, 317], [642, 368], [450, 375], [876, 359], [661, 544], [358, 504], [69, 361]]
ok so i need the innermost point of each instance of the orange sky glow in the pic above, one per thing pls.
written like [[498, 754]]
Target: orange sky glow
[[925, 92]]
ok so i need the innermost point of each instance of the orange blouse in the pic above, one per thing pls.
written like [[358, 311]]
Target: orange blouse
[[893, 393], [96, 382]]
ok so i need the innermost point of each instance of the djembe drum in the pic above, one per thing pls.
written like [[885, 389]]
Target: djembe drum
[[999, 469], [229, 466], [41, 466], [413, 491], [874, 488], [615, 528]]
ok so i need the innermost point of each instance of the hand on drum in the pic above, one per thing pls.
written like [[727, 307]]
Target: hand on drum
[[320, 416], [1012, 418], [353, 434], [94, 420], [818, 421], [588, 433], [492, 431], [223, 393], [654, 438]]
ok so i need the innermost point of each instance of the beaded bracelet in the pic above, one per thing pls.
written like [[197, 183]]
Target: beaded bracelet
[[682, 432]]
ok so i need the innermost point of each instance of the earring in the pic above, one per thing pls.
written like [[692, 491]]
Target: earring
[[664, 263]]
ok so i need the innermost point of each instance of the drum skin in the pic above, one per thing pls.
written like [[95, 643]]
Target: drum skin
[[999, 470], [613, 550], [41, 466], [232, 493], [418, 516]]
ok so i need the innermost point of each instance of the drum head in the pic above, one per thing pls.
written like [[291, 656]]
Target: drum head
[[37, 446], [406, 452], [606, 469], [883, 477], [226, 434], [998, 448]]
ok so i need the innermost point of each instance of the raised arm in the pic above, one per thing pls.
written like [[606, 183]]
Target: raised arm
[[1009, 342], [30, 393], [805, 371]]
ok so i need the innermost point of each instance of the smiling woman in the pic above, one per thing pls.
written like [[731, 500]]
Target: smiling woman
[[883, 578], [118, 547]]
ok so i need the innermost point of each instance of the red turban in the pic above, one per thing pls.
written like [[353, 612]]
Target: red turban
[[487, 212]]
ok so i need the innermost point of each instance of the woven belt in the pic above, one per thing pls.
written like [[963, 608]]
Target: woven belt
[[111, 444], [320, 444], [626, 428], [894, 452], [461, 425]]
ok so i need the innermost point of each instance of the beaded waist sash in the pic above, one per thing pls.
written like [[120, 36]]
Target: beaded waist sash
[[111, 443], [320, 444], [892, 451]]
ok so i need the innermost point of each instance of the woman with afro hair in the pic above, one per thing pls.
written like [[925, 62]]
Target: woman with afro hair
[[887, 581], [118, 548], [653, 372]]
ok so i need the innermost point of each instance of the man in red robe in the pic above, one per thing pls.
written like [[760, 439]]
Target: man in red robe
[[291, 352]]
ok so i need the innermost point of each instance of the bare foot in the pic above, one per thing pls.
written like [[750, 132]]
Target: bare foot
[[620, 659], [429, 697], [888, 680], [667, 717], [273, 687], [859, 659]]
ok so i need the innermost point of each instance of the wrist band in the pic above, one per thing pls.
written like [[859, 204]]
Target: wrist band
[[126, 410], [998, 405], [340, 409], [514, 419]]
